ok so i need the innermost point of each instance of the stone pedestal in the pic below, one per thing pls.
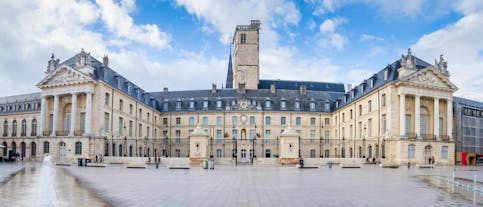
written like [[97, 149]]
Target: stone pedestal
[[199, 143], [289, 147]]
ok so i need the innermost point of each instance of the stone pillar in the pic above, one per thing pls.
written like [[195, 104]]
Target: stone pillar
[[43, 110], [56, 115], [88, 113], [417, 114], [73, 114], [199, 144], [449, 118], [289, 146], [402, 115], [436, 119]]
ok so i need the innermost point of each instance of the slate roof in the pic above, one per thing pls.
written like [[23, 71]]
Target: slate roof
[[20, 103], [467, 102], [295, 85]]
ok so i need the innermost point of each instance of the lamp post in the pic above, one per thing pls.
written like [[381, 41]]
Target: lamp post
[[235, 151], [253, 143], [145, 143], [364, 141]]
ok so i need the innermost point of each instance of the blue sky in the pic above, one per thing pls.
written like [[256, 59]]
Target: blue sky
[[184, 44]]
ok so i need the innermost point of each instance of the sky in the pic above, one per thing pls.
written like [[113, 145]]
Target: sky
[[185, 44]]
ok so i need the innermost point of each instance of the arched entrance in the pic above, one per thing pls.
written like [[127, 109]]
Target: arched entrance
[[130, 150], [23, 150], [62, 151], [427, 153], [369, 151], [33, 150], [120, 149]]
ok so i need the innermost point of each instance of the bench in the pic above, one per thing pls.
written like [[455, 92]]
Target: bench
[[136, 166], [178, 163], [350, 166], [95, 165]]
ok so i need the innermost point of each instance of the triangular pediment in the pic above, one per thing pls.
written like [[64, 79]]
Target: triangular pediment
[[430, 77], [64, 75]]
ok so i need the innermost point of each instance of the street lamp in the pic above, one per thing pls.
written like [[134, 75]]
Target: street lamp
[[235, 151], [364, 141], [253, 143]]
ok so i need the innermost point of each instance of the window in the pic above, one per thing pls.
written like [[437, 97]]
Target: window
[[327, 121], [312, 106], [106, 122], [267, 134], [350, 115], [411, 148], [130, 128], [46, 147], [350, 131], [34, 128], [147, 131], [5, 128], [268, 104], [140, 132], [369, 106], [312, 121], [33, 149], [327, 153], [384, 126], [205, 120], [178, 105], [205, 104], [106, 99], [165, 106], [191, 121], [243, 38], [327, 135], [252, 133], [219, 121], [192, 105], [178, 121], [386, 74], [283, 120], [444, 152], [218, 104], [148, 116], [312, 153], [383, 100], [343, 117], [14, 128], [283, 105], [298, 121], [267, 120], [23, 131], [219, 134], [178, 136], [360, 110], [177, 153], [130, 109], [165, 121], [78, 148], [369, 128], [120, 104], [120, 125], [372, 82], [326, 106], [219, 153], [234, 120], [360, 130], [234, 133], [312, 134], [267, 153], [252, 120], [297, 105]]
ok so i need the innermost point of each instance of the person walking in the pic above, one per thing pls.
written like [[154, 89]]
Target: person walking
[[157, 163]]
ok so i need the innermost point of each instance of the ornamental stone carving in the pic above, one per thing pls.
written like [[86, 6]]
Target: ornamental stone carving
[[65, 76], [441, 66], [428, 79], [408, 61], [83, 59], [52, 64]]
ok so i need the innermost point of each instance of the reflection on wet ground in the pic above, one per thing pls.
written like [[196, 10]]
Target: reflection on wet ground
[[459, 189], [46, 186]]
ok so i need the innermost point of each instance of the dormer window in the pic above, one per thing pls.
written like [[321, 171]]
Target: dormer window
[[297, 105], [165, 106], [362, 88], [345, 99], [218, 104], [254, 102], [327, 106], [283, 105], [233, 102], [312, 105], [353, 94], [372, 82], [337, 104], [205, 104], [178, 104], [192, 104], [268, 104], [386, 74]]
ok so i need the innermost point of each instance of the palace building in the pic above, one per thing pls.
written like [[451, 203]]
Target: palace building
[[405, 112]]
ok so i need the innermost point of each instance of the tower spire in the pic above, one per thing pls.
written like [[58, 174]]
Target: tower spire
[[229, 75]]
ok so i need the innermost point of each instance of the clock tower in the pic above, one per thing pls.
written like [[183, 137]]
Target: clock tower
[[246, 72]]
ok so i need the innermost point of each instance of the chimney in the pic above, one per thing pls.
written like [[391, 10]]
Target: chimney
[[349, 87], [213, 88], [303, 89], [105, 61], [165, 89], [272, 88]]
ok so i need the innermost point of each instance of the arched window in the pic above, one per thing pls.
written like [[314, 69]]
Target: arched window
[[24, 128], [342, 152], [5, 128], [78, 148], [46, 147], [411, 149], [383, 100], [369, 151], [120, 150], [120, 104], [4, 149], [130, 150], [34, 127], [14, 128], [33, 149], [14, 147]]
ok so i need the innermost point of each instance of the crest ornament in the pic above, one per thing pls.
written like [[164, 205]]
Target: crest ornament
[[408, 61], [441, 66]]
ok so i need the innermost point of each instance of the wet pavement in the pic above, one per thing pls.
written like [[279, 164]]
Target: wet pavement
[[237, 186], [39, 185]]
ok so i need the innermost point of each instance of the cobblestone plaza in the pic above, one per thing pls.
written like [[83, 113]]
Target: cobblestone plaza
[[117, 185]]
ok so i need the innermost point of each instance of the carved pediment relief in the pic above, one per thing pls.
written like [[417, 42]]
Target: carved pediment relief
[[430, 78], [64, 76]]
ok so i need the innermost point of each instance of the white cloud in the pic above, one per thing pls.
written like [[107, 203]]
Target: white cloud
[[370, 38], [329, 35], [116, 18], [461, 43]]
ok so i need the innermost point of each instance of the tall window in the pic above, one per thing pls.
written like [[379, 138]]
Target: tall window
[[33, 149], [234, 120], [268, 121], [360, 130], [444, 152], [34, 127], [205, 120], [297, 105], [234, 133], [360, 110], [312, 134], [267, 134], [283, 105], [218, 104], [327, 106], [130, 109], [327, 135], [384, 123], [140, 131], [178, 121], [252, 120], [327, 121], [383, 100], [5, 128], [219, 120], [312, 121], [350, 115], [120, 104], [312, 106], [252, 133], [369, 127], [205, 104], [106, 99], [24, 128], [283, 120], [191, 121], [411, 149], [120, 125], [14, 128], [46, 147], [130, 128], [219, 153], [106, 122], [243, 38], [140, 113], [369, 106], [78, 148], [298, 121], [219, 134], [178, 136], [147, 131]]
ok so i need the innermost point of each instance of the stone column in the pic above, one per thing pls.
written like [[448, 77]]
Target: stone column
[[436, 119], [449, 118], [417, 114], [402, 115], [43, 110], [73, 114], [56, 115], [88, 112]]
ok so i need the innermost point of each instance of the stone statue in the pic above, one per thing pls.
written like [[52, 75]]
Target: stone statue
[[83, 58], [52, 64], [408, 61], [441, 66]]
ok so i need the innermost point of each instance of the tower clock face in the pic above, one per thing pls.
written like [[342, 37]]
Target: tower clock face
[[241, 75]]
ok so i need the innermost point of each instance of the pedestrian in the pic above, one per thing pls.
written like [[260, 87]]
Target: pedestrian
[[159, 160], [432, 160], [97, 158], [409, 165], [429, 160], [330, 164], [157, 163]]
